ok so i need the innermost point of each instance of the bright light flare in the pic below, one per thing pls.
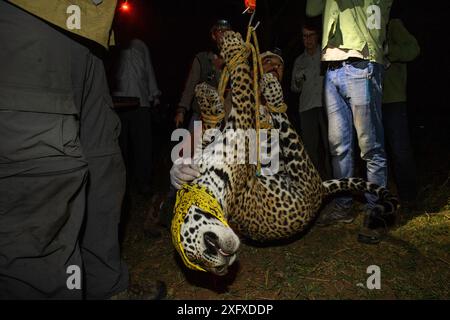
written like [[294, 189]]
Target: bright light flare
[[250, 5], [125, 7]]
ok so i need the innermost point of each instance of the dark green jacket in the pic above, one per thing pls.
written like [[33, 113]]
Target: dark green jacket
[[353, 24], [402, 48]]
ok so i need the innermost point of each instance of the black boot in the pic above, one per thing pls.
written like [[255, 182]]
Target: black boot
[[375, 225]]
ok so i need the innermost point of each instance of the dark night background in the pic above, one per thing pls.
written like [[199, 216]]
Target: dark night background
[[176, 30]]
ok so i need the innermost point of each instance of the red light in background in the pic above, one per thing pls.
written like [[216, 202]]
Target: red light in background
[[125, 7], [250, 4]]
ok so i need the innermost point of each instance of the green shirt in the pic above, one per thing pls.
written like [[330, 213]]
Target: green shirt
[[353, 24], [94, 19], [402, 48]]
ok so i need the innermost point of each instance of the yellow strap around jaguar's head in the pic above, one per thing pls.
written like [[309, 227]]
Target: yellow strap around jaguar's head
[[193, 195]]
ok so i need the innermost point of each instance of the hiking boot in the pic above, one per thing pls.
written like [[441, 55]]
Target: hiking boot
[[375, 226], [334, 214], [156, 291]]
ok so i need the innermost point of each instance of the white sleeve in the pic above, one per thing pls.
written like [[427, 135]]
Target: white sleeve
[[154, 92]]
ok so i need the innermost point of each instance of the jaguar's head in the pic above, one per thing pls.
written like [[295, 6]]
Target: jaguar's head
[[208, 242]]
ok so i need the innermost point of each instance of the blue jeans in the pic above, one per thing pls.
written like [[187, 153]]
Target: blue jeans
[[353, 100]]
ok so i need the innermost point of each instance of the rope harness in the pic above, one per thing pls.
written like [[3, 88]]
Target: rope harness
[[193, 195], [250, 49], [213, 120]]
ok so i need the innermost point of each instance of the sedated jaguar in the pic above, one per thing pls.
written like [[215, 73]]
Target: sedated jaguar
[[230, 199]]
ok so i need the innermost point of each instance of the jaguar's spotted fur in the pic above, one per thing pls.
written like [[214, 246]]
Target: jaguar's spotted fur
[[263, 208]]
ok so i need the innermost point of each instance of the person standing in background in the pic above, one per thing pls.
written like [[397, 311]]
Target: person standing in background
[[135, 77], [308, 81], [206, 67], [402, 48]]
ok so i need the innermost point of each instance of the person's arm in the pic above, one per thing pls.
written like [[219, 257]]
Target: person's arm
[[189, 91], [315, 8], [403, 46], [298, 77]]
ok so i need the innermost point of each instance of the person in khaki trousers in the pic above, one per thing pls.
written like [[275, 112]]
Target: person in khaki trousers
[[61, 172]]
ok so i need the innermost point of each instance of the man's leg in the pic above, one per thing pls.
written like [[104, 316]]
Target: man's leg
[[125, 147], [395, 120], [106, 273], [39, 228], [42, 169], [124, 139], [340, 128], [340, 135], [365, 93], [141, 141]]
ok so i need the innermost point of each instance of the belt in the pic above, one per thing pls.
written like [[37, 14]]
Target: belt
[[355, 62]]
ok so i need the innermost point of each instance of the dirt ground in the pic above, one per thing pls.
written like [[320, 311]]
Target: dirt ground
[[326, 263]]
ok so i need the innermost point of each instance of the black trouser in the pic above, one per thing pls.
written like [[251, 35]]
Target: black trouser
[[40, 219], [314, 134], [55, 124], [136, 144], [400, 152], [105, 272]]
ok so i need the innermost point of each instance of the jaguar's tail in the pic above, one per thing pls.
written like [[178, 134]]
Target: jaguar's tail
[[387, 202]]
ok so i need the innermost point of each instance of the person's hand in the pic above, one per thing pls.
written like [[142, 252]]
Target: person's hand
[[179, 118], [300, 76], [181, 173]]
